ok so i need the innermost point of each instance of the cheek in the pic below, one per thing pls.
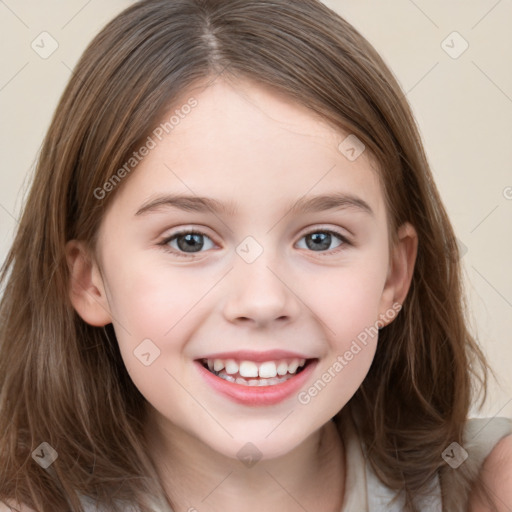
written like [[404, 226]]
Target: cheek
[[149, 301], [349, 311], [347, 299], [153, 313], [151, 317]]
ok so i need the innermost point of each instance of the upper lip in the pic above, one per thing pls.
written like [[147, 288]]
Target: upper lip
[[258, 357]]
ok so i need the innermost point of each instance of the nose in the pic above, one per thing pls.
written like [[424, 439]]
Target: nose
[[260, 293]]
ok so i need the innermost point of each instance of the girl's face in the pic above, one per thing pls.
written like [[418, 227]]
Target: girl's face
[[271, 268]]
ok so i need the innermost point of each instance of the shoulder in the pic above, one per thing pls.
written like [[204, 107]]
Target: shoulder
[[496, 477]]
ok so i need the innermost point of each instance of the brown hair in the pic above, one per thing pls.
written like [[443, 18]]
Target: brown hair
[[63, 381]]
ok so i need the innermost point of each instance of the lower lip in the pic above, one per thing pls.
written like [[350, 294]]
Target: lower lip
[[258, 395]]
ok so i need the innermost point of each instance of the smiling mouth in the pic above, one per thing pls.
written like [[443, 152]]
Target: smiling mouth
[[236, 378]]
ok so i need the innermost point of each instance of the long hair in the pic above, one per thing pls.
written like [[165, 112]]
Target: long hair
[[63, 382]]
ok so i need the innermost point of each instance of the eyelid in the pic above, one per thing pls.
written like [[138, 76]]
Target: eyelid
[[184, 231], [326, 229], [345, 240]]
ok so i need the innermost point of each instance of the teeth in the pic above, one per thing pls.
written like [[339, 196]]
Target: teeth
[[253, 382], [231, 366], [218, 365], [292, 367], [282, 368], [246, 369], [268, 370]]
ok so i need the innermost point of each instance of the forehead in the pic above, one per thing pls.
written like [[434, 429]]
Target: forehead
[[244, 142]]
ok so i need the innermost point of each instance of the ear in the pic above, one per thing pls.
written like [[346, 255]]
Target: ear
[[86, 287], [401, 268]]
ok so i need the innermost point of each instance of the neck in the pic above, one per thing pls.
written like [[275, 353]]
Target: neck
[[195, 477]]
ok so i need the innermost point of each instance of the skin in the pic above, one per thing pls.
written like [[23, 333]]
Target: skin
[[496, 476], [246, 144]]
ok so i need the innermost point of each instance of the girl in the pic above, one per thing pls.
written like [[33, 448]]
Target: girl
[[234, 285]]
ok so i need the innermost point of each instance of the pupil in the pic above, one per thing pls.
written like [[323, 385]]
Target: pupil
[[191, 241], [323, 238]]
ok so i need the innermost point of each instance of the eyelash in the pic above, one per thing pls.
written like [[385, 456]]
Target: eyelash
[[168, 239]]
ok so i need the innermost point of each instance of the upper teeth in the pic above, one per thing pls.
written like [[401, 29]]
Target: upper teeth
[[264, 370]]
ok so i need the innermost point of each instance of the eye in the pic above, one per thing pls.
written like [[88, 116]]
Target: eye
[[190, 242], [321, 240]]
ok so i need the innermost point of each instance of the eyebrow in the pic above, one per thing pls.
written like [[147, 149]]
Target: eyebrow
[[339, 201]]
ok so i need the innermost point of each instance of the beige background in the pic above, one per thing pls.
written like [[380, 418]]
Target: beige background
[[463, 106]]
